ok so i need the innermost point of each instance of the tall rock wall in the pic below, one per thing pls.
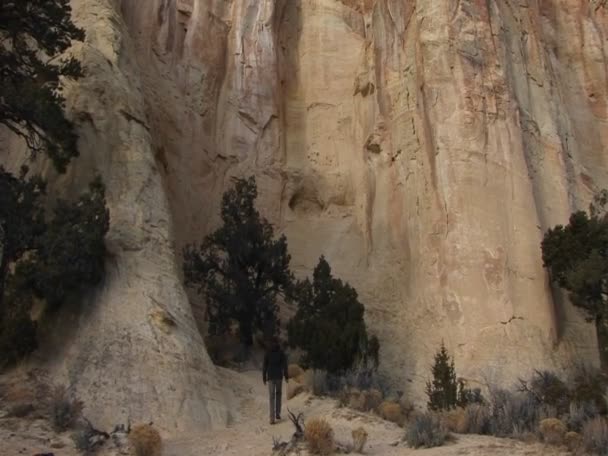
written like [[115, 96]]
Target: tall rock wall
[[422, 146]]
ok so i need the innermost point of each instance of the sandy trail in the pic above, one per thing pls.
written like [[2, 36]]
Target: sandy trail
[[250, 434]]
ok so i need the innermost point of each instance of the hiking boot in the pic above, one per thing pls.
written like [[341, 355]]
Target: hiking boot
[[278, 417], [272, 421]]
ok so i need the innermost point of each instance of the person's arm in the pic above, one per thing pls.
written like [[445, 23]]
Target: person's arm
[[265, 368]]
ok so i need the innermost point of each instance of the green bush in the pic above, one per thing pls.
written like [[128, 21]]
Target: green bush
[[17, 339], [426, 430], [590, 385], [329, 325], [548, 389]]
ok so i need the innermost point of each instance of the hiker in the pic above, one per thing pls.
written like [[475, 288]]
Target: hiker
[[275, 369]]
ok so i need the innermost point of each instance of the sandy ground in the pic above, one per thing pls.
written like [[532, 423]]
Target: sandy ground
[[250, 433]]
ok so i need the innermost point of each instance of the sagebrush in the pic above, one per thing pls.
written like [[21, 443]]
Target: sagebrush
[[595, 436], [426, 430]]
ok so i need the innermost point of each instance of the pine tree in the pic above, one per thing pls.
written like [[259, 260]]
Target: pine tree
[[442, 391], [240, 268], [329, 325]]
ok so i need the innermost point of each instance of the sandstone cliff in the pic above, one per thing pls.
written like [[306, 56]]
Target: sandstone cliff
[[423, 146]]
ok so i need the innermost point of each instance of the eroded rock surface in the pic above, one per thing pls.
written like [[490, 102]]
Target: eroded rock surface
[[423, 146]]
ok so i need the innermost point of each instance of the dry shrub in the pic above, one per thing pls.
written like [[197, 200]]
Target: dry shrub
[[64, 409], [359, 439], [573, 441], [407, 407], [294, 388], [426, 430], [294, 371], [391, 411], [319, 436], [552, 431], [145, 440], [580, 413], [20, 410], [454, 420], [595, 436], [477, 419], [356, 400], [373, 399]]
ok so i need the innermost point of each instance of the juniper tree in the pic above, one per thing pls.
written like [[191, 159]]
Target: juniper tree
[[442, 391], [49, 257], [33, 35], [328, 325], [240, 269], [576, 256]]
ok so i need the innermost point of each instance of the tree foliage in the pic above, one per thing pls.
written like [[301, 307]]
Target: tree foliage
[[42, 257], [442, 391], [576, 256], [69, 257], [240, 268], [50, 259], [33, 35], [329, 325]]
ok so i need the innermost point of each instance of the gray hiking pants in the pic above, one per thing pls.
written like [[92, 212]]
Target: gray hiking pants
[[275, 388]]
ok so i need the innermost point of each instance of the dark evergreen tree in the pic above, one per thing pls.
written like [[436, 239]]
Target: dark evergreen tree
[[33, 34], [328, 325], [21, 219], [442, 391], [576, 256], [70, 256], [47, 259], [240, 268], [51, 260]]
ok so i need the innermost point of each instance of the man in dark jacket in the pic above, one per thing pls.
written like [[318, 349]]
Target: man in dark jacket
[[275, 369]]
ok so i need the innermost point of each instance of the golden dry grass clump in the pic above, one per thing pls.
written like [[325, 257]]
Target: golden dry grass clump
[[552, 430], [294, 388], [319, 436], [294, 371], [573, 441], [391, 411], [145, 440], [359, 439], [454, 420]]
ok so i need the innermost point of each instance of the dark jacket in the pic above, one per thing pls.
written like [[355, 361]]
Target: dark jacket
[[275, 364]]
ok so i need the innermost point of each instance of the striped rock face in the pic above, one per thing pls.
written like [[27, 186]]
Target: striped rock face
[[422, 146]]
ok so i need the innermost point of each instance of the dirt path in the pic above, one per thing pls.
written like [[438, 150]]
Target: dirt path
[[250, 434]]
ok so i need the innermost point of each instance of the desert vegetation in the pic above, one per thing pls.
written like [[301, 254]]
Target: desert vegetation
[[243, 272], [53, 255]]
